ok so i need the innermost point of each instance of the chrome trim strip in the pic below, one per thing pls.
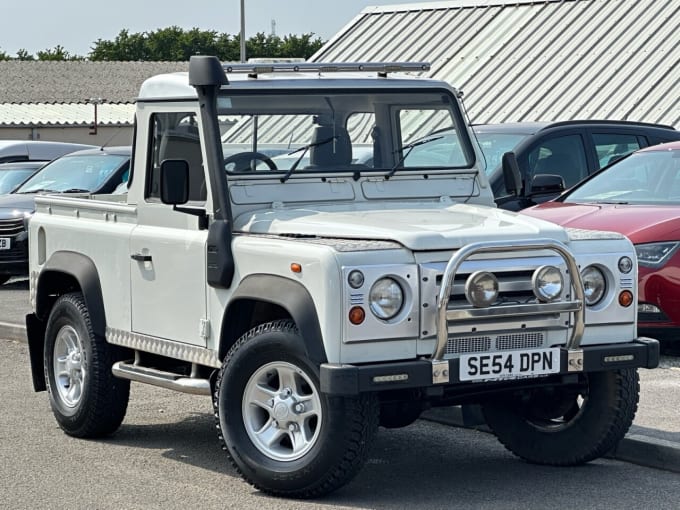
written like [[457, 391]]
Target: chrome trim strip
[[466, 252], [513, 311], [163, 347]]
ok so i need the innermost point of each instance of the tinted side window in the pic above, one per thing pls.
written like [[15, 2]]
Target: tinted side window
[[563, 155], [175, 136], [613, 146]]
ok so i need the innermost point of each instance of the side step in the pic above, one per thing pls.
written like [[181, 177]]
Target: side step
[[169, 380]]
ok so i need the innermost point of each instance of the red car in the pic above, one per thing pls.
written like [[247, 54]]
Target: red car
[[638, 196]]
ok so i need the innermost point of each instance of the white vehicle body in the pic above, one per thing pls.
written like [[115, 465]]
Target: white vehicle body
[[185, 280]]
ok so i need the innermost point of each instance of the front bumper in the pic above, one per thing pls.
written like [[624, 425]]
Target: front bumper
[[354, 379]]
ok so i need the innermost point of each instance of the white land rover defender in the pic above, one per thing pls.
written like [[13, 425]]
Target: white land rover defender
[[291, 246]]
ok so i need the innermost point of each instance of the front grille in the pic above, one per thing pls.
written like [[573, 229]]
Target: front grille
[[11, 227], [470, 344], [504, 342]]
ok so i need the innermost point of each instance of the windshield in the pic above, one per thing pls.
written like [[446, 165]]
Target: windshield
[[71, 173], [361, 132], [494, 145], [11, 178], [642, 178]]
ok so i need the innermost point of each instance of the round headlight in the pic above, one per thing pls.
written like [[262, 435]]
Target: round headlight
[[594, 284], [386, 298], [548, 283], [481, 289]]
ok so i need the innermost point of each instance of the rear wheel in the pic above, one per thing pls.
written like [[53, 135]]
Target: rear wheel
[[281, 433], [86, 399], [567, 427]]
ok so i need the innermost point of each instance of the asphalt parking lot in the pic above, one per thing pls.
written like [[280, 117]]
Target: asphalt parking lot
[[653, 440]]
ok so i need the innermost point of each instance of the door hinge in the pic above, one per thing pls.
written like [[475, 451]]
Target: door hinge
[[204, 329]]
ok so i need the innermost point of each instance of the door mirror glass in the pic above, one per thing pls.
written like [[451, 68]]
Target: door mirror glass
[[174, 182]]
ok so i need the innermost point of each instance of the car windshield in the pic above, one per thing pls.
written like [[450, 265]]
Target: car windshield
[[650, 178], [341, 131], [71, 173], [10, 178]]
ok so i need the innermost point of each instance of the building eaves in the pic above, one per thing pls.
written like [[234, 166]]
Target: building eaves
[[65, 114]]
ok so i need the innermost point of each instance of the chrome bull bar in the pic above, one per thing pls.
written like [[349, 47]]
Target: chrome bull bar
[[440, 370]]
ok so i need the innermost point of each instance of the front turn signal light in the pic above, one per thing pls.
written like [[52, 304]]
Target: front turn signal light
[[626, 298], [356, 315]]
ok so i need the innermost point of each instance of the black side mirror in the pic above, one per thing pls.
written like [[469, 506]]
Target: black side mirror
[[174, 182], [511, 175], [547, 183]]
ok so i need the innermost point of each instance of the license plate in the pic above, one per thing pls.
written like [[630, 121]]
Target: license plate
[[5, 243], [509, 364]]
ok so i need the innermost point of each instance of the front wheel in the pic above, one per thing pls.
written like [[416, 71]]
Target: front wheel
[[567, 426], [281, 433], [86, 399]]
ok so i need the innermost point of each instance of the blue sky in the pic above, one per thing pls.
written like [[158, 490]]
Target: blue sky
[[37, 25]]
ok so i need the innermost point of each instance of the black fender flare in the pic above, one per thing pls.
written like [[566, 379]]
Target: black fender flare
[[83, 270], [293, 297], [51, 281]]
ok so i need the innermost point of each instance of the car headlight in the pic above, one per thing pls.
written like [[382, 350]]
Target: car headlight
[[386, 298], [594, 285], [655, 254], [548, 283]]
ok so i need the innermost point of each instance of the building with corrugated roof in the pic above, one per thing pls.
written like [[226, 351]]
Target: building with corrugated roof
[[533, 60], [74, 101]]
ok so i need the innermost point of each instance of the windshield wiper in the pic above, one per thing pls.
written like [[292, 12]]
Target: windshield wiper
[[39, 190], [76, 190], [304, 150], [409, 147]]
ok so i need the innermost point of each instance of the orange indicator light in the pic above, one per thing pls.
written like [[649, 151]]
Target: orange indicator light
[[357, 315], [626, 298], [295, 267]]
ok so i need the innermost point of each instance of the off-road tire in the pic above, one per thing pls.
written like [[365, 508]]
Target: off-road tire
[[346, 425], [605, 415], [99, 402]]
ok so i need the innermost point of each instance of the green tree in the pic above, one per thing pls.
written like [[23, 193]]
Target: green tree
[[4, 56], [176, 44], [57, 53], [22, 54]]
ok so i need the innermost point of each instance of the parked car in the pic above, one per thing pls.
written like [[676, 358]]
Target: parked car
[[34, 150], [89, 171], [571, 150], [13, 174], [638, 196]]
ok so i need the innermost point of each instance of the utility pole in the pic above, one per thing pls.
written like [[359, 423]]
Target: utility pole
[[243, 31]]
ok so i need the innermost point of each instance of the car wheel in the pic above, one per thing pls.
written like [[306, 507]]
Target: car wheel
[[85, 397], [567, 427], [281, 433]]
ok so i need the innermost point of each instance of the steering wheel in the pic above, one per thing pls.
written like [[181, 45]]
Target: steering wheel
[[242, 161]]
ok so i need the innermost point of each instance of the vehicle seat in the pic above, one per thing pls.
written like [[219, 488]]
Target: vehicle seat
[[332, 154]]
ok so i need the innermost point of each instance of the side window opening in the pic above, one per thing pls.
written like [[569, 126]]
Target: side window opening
[[564, 156], [176, 136]]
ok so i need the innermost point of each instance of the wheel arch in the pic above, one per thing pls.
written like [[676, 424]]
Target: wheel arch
[[279, 298], [64, 272]]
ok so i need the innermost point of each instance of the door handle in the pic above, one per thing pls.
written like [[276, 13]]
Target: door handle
[[140, 257]]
